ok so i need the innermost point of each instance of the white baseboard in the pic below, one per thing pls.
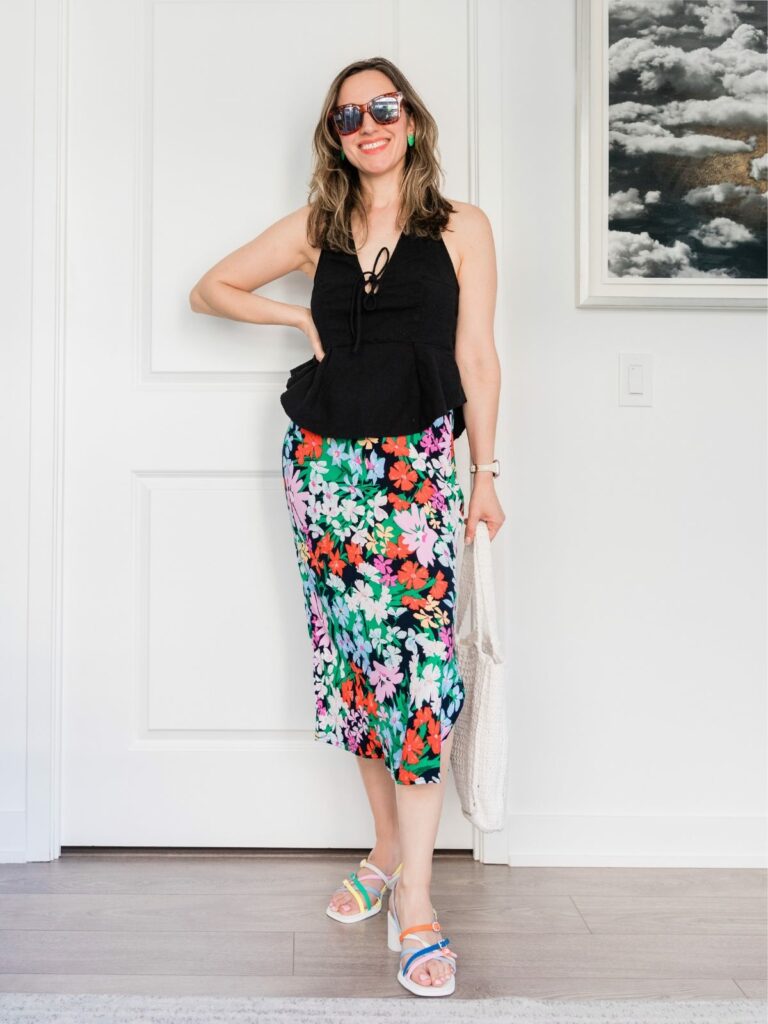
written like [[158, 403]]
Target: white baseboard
[[595, 840]]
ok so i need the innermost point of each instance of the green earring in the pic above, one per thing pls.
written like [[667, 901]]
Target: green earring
[[410, 138], [341, 152]]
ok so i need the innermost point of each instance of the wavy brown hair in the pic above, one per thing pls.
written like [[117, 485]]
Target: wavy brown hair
[[334, 187]]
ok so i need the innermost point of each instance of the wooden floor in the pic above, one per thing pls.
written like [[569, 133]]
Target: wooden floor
[[229, 923]]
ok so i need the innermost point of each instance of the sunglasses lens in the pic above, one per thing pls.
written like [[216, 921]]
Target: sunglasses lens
[[347, 119], [385, 109]]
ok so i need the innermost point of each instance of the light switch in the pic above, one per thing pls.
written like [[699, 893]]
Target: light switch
[[635, 378]]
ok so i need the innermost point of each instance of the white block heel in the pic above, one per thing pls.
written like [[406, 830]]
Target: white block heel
[[393, 933]]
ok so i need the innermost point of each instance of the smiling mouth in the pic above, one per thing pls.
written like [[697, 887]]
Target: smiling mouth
[[375, 147]]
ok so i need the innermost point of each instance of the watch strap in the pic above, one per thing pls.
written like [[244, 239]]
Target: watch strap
[[494, 466]]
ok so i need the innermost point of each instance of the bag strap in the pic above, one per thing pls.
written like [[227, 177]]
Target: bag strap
[[476, 589], [486, 595], [466, 583]]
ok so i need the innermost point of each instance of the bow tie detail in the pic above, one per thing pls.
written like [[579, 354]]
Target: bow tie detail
[[361, 297]]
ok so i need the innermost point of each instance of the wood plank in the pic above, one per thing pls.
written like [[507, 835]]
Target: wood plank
[[753, 988], [454, 873], [134, 952], [287, 910], [563, 956], [673, 915]]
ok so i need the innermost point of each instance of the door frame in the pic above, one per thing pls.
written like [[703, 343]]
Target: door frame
[[42, 646]]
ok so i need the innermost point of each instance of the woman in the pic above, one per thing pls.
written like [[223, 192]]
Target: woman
[[403, 359]]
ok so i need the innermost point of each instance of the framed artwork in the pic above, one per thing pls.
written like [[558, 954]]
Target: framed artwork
[[672, 162]]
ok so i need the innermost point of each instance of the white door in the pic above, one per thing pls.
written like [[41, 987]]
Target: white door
[[187, 702]]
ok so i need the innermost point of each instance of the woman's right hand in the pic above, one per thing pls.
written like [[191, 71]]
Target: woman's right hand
[[307, 325]]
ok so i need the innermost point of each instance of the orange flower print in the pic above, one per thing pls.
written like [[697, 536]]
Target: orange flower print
[[354, 554], [439, 588], [396, 445], [336, 563], [424, 493], [433, 736], [412, 575], [424, 714], [403, 475], [398, 501], [412, 746]]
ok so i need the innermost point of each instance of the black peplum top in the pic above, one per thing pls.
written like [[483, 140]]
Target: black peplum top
[[389, 365]]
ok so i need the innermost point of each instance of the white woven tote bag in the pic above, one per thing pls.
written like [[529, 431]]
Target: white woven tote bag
[[479, 751]]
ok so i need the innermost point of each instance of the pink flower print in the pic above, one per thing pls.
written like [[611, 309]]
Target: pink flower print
[[355, 725], [437, 501], [385, 678], [417, 534], [384, 565], [447, 636], [319, 623], [297, 499], [444, 437], [428, 441]]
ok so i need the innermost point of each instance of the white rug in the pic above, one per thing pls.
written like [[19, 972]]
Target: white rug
[[46, 1008]]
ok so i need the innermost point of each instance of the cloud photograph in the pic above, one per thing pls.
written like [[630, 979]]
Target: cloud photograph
[[687, 161]]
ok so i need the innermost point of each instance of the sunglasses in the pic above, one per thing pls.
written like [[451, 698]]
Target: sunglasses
[[384, 109]]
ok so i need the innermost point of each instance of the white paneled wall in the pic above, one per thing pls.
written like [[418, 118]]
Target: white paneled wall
[[636, 538]]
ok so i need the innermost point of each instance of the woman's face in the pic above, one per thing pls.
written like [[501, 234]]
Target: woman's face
[[392, 139]]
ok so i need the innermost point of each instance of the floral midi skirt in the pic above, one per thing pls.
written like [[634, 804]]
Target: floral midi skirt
[[375, 524]]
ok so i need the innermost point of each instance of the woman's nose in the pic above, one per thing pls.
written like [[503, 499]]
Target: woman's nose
[[371, 121]]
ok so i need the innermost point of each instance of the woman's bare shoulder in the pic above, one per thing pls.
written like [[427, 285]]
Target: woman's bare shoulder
[[467, 219], [467, 229]]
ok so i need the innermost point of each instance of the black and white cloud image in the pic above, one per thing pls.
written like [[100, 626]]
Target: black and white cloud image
[[687, 138]]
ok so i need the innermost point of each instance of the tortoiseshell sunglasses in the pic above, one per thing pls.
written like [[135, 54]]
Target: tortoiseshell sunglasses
[[384, 109]]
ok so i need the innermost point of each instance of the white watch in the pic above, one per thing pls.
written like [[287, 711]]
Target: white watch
[[494, 466]]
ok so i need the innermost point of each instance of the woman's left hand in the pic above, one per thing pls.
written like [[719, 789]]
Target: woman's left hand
[[483, 505]]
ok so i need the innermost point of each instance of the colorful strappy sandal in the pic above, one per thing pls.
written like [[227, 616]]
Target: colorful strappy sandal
[[369, 898], [417, 957]]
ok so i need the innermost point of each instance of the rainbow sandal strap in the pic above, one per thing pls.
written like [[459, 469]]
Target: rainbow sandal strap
[[356, 886], [423, 955], [434, 950]]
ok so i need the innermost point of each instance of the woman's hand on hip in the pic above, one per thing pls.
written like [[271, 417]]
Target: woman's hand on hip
[[307, 325]]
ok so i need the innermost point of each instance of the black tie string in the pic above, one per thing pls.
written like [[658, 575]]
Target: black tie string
[[361, 297]]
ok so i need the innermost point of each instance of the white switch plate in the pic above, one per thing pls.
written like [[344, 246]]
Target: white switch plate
[[635, 378]]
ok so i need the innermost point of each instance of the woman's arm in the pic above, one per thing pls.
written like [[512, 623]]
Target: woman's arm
[[226, 289], [478, 360]]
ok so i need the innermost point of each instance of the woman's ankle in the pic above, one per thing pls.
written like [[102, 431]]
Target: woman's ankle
[[386, 854], [414, 887]]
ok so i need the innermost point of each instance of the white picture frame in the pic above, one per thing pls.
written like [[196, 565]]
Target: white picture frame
[[595, 287]]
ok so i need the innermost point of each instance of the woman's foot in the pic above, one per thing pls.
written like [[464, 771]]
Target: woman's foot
[[415, 905], [386, 859]]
